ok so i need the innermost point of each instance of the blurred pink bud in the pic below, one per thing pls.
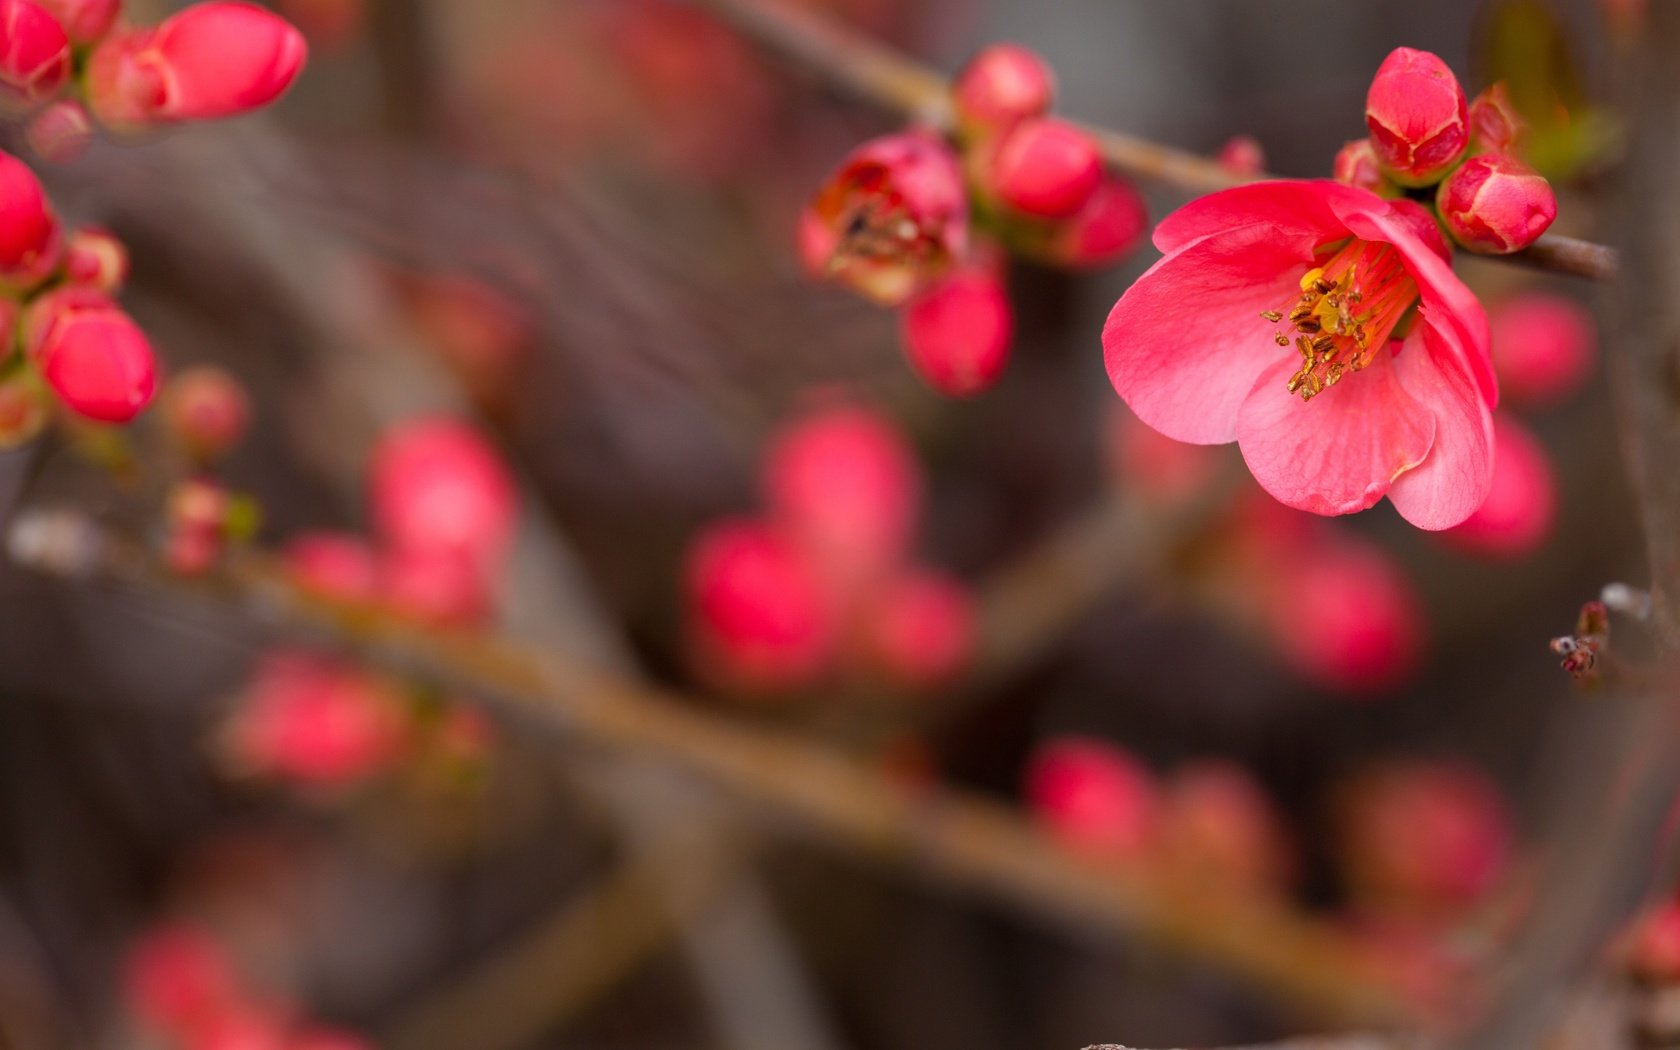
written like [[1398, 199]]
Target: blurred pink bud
[[957, 332], [1517, 515], [34, 54], [94, 256], [921, 630], [1654, 951], [336, 566], [206, 410], [1242, 155], [95, 358], [1544, 347], [1112, 223], [308, 719], [1495, 124], [1345, 616], [197, 519], [435, 485], [177, 976], [1356, 164], [1152, 465], [1495, 204], [245, 1027], [84, 20], [1003, 84], [1093, 796], [757, 614], [1219, 828], [845, 487], [210, 60], [61, 132], [1418, 117], [31, 243], [437, 587], [892, 216], [1043, 167], [23, 408], [1424, 837]]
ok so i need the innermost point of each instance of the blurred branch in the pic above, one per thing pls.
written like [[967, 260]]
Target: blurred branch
[[788, 785], [880, 75]]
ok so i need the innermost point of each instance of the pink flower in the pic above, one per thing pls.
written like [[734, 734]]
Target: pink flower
[[93, 355], [34, 54], [958, 331], [435, 485], [1332, 416], [1093, 796], [217, 59]]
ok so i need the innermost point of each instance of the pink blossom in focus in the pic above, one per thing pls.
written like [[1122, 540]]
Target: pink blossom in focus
[[306, 718], [95, 358], [1112, 222], [1043, 168], [1332, 416], [893, 216], [207, 411], [958, 331], [335, 566], [435, 485], [1495, 204], [1517, 515], [1001, 85], [1418, 117], [34, 54], [1544, 347], [920, 629], [31, 243], [1093, 796]]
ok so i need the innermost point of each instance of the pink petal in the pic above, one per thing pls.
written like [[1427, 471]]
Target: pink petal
[[1340, 452], [1456, 477], [1291, 208], [1184, 344]]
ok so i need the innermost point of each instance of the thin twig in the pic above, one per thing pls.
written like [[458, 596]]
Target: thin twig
[[786, 784], [881, 75]]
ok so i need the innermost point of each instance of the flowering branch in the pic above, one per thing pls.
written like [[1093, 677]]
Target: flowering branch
[[787, 784], [883, 76]]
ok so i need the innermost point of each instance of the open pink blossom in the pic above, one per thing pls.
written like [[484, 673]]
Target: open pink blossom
[[1282, 318]]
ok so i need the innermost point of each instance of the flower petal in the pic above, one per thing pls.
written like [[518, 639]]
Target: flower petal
[[1185, 343], [1339, 452], [1456, 477], [1292, 209]]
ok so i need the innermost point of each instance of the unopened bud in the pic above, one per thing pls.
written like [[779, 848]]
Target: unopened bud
[[31, 243], [958, 332], [1043, 168], [93, 256], [1111, 224], [1003, 84], [1356, 164], [61, 132], [34, 54], [1495, 204], [207, 411], [1418, 117], [1242, 155], [1096, 798], [921, 630], [92, 354], [1495, 124]]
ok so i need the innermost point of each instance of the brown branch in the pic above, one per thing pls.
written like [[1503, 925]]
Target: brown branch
[[884, 77], [786, 784]]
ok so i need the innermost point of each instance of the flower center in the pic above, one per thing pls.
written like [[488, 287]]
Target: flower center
[[874, 222], [1347, 309]]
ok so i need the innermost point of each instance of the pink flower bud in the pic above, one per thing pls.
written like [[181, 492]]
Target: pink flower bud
[[94, 256], [34, 54], [892, 216], [435, 485], [1043, 167], [31, 243], [1495, 124], [1112, 223], [1150, 464], [1418, 117], [1242, 155], [95, 358], [1365, 634], [335, 566], [842, 484], [207, 411], [23, 409], [178, 976], [84, 20], [308, 719], [1517, 515], [757, 615], [437, 587], [1003, 84], [1094, 797], [197, 518], [1356, 164], [211, 60], [1544, 347], [61, 132], [1221, 831], [920, 633], [958, 332], [1427, 838], [1495, 204]]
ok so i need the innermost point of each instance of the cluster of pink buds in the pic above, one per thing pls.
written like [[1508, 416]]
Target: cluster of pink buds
[[313, 721], [185, 990], [824, 582], [919, 220], [444, 509], [1208, 823], [1425, 133], [72, 63], [56, 304]]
